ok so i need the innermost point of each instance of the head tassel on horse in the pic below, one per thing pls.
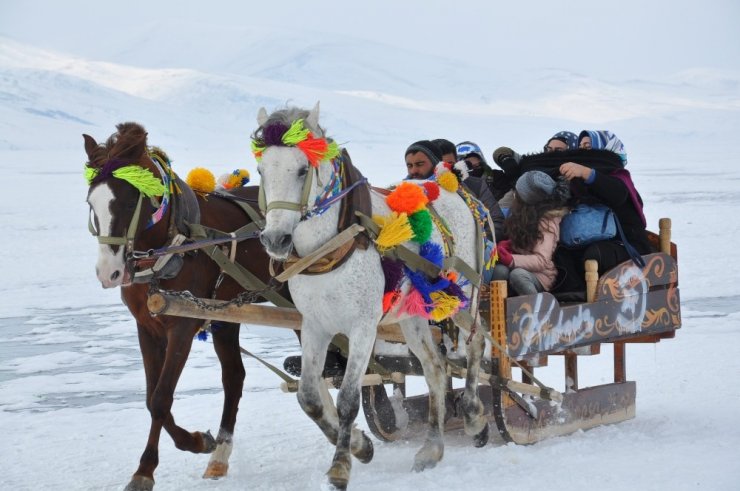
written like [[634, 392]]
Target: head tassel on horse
[[300, 191], [149, 223]]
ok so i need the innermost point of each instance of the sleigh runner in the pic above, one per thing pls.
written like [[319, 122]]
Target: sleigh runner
[[626, 305]]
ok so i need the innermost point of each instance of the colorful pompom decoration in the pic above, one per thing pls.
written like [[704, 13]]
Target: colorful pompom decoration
[[395, 230], [235, 179], [431, 298], [448, 181], [421, 223], [201, 180], [407, 198], [431, 189]]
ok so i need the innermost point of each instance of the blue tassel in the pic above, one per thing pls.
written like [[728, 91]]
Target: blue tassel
[[432, 252], [203, 335]]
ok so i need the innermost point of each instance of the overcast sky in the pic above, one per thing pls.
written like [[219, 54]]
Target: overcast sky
[[611, 40]]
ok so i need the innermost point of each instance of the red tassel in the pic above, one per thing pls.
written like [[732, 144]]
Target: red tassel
[[390, 299], [432, 190]]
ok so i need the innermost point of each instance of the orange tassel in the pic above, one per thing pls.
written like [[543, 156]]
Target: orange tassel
[[407, 198]]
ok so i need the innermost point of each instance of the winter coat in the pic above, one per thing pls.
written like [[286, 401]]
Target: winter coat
[[540, 259], [479, 189], [611, 190]]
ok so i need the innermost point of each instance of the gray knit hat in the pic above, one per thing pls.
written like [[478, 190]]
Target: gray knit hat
[[535, 186]]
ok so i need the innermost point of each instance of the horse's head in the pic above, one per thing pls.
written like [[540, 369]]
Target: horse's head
[[289, 145], [123, 188]]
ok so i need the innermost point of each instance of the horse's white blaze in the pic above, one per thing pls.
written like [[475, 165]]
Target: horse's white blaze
[[108, 263], [283, 182]]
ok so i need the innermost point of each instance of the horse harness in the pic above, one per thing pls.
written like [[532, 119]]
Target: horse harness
[[185, 234], [354, 196]]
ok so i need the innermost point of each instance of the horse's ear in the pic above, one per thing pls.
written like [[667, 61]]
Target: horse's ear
[[90, 145], [261, 116], [313, 118]]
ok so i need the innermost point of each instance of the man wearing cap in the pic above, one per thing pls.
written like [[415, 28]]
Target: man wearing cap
[[421, 159]]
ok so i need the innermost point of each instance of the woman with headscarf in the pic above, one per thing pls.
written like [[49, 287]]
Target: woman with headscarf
[[614, 189]]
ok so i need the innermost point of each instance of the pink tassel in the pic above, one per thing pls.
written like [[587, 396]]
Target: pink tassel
[[414, 304]]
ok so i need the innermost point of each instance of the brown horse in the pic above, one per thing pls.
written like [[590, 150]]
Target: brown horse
[[132, 211]]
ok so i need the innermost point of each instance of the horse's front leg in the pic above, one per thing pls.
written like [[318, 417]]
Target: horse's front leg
[[348, 405], [476, 423], [226, 343], [316, 401], [419, 339], [159, 402]]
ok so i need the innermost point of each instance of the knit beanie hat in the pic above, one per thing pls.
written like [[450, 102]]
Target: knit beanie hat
[[428, 148], [569, 138], [535, 186], [466, 149]]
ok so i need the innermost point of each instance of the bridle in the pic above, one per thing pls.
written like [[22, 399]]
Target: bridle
[[128, 239], [331, 194]]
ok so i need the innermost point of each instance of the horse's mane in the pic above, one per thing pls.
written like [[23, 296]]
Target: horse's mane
[[286, 117], [123, 145]]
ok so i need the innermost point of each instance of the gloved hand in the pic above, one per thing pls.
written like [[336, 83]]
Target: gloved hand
[[504, 252], [507, 159]]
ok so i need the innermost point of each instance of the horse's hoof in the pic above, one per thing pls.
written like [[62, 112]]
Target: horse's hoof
[[366, 452], [338, 475], [209, 443], [140, 483], [216, 470], [481, 439], [428, 456]]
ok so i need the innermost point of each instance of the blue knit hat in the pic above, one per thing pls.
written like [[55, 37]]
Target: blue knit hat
[[466, 149]]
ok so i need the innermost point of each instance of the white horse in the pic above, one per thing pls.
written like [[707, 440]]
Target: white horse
[[348, 300]]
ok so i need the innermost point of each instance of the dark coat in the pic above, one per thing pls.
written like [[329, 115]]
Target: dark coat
[[479, 188]]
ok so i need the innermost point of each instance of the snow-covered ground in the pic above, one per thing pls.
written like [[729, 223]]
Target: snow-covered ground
[[72, 413]]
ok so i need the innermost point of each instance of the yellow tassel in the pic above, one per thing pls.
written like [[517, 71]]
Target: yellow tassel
[[493, 259], [448, 181], [395, 230], [445, 306]]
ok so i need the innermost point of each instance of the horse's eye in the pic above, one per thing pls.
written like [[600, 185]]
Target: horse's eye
[[302, 171]]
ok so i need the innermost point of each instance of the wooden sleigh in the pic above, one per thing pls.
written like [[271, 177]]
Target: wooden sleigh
[[626, 305]]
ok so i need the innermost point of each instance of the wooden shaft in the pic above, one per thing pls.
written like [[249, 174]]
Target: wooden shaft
[[164, 304], [620, 371], [264, 315], [368, 379], [665, 235], [592, 279], [513, 385]]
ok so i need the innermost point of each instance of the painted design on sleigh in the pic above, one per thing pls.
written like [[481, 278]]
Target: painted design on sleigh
[[629, 301]]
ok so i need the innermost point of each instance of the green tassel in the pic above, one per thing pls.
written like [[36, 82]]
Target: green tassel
[[142, 179], [90, 174], [295, 134], [421, 223]]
